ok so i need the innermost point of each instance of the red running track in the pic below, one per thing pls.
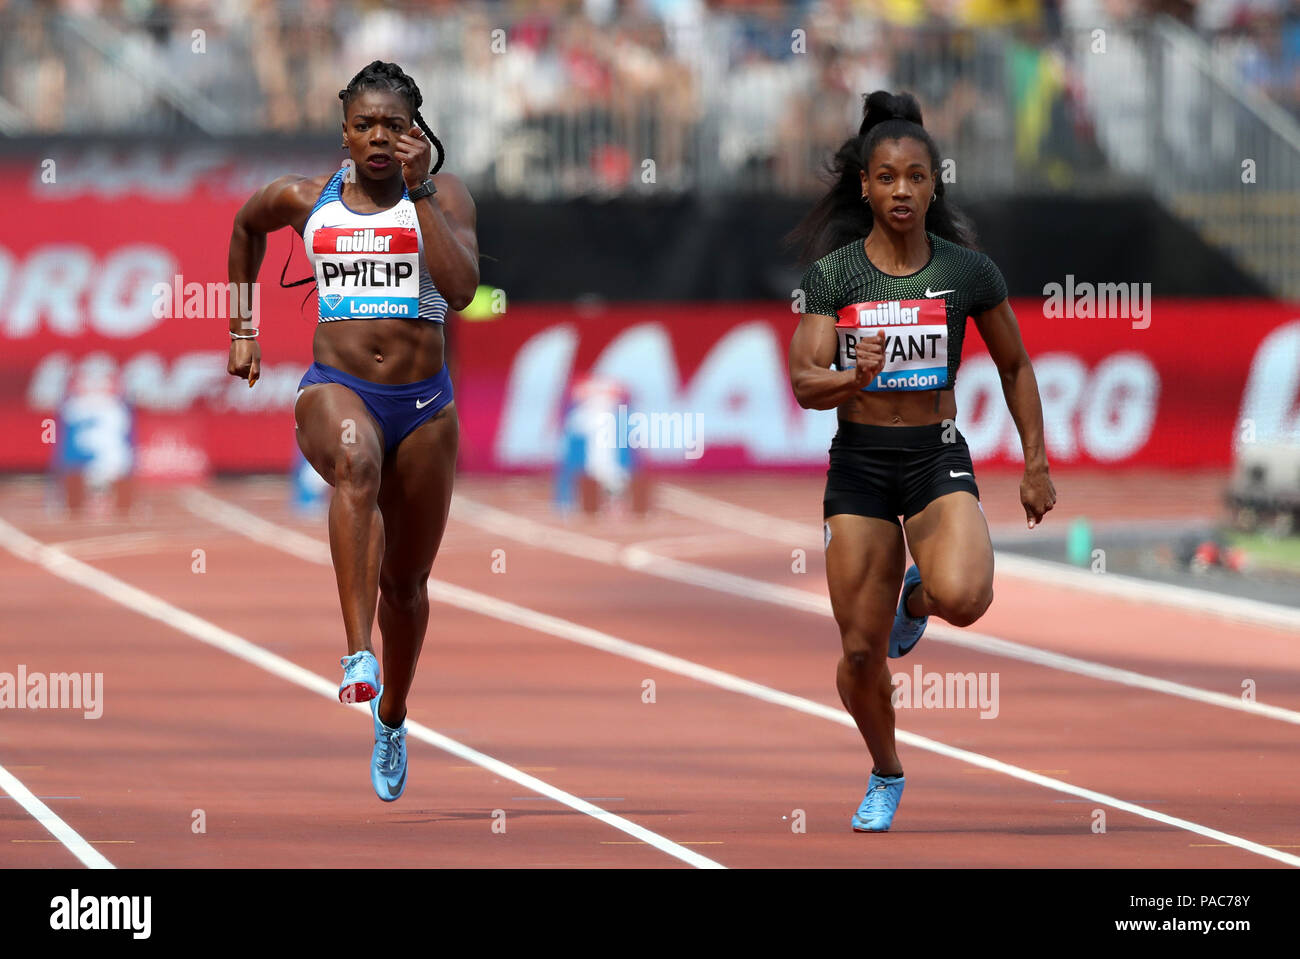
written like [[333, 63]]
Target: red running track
[[280, 772]]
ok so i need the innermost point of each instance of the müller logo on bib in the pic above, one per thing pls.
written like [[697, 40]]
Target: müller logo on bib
[[368, 240], [916, 341]]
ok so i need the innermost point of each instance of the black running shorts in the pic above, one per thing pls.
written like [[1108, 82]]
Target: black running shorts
[[888, 471]]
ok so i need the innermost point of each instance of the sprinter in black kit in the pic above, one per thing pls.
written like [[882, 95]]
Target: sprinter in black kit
[[894, 277]]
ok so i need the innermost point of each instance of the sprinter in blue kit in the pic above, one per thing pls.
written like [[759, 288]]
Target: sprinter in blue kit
[[392, 245], [893, 278]]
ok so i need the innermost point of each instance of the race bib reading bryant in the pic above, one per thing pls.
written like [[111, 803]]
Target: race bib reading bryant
[[923, 315]]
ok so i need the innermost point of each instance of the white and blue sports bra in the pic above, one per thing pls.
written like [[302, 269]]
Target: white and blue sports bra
[[369, 265]]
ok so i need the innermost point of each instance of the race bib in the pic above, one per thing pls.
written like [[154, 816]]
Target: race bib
[[367, 272], [916, 342]]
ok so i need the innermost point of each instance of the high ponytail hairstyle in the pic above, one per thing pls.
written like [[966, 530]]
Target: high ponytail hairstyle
[[379, 75], [841, 216]]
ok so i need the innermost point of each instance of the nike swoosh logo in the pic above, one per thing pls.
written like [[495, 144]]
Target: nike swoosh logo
[[956, 475], [420, 406], [394, 792], [938, 292]]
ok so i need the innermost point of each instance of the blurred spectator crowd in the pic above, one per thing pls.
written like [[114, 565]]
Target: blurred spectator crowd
[[588, 91]]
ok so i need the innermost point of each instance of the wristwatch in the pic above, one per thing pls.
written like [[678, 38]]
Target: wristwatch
[[424, 189]]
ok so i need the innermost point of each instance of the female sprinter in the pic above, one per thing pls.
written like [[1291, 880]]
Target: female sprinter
[[886, 301], [391, 248]]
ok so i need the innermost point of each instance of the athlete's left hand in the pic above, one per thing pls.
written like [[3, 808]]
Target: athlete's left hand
[[414, 152], [1037, 494]]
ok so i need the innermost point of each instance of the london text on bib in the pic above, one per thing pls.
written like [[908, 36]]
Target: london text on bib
[[367, 272], [916, 341]]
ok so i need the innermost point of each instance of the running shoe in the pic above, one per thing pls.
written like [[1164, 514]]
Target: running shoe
[[360, 677], [388, 759], [879, 804], [907, 630]]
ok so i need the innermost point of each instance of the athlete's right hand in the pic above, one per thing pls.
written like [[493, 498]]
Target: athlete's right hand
[[870, 361], [245, 360]]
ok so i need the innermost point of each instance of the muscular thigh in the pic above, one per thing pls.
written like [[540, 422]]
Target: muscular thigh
[[333, 421], [864, 568], [415, 496], [949, 540]]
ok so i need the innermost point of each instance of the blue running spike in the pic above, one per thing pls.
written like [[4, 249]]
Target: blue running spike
[[876, 813], [360, 677], [906, 631], [388, 759]]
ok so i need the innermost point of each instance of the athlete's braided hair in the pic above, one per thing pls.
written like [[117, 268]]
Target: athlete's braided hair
[[840, 216], [379, 75]]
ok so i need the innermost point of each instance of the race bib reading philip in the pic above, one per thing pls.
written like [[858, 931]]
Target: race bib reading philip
[[371, 272], [916, 342]]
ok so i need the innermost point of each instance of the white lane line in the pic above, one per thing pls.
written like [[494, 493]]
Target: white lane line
[[1116, 585], [694, 543], [121, 544], [78, 573], [1237, 609], [528, 531], [742, 519], [240, 520], [48, 818]]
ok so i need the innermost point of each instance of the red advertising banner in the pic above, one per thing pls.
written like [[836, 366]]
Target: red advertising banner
[[1178, 393], [96, 273], [105, 279]]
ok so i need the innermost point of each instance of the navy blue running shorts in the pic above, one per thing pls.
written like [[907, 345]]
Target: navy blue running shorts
[[397, 409]]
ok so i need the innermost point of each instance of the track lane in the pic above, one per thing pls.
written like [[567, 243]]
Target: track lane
[[1006, 824]]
